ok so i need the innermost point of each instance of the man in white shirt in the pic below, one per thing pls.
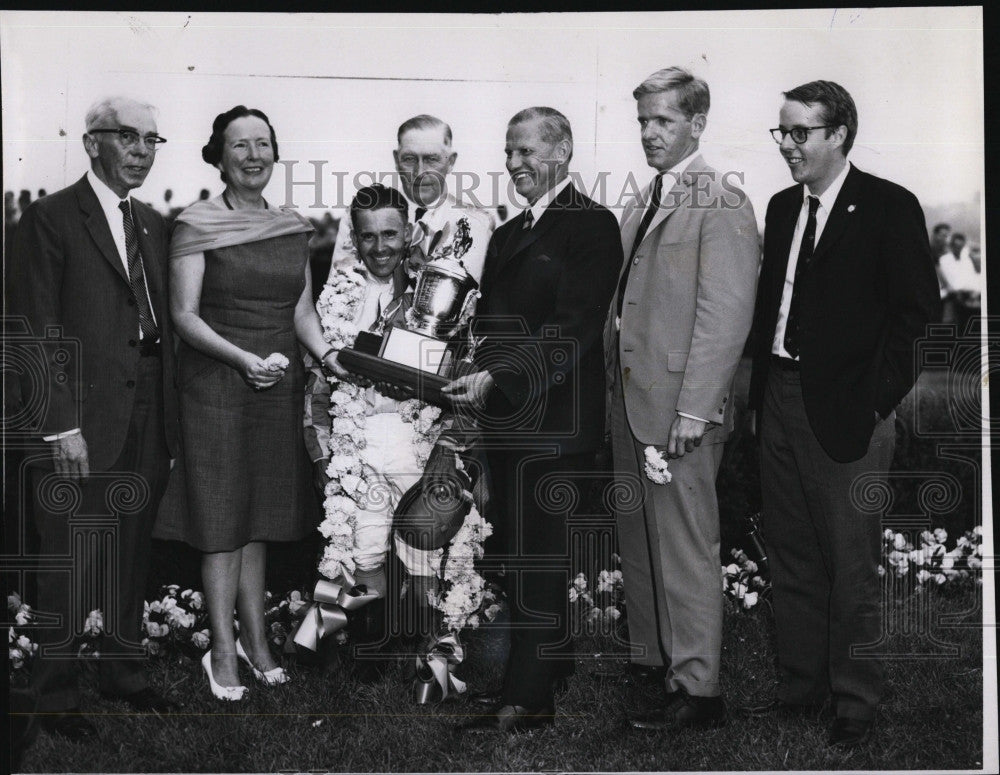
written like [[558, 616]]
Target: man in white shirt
[[673, 339], [424, 159], [90, 262], [847, 287]]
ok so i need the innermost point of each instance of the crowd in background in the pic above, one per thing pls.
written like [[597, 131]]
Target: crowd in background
[[959, 270]]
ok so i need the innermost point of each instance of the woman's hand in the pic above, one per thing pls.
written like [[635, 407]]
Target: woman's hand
[[260, 373]]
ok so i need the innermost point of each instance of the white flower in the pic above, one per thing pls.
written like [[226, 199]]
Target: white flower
[[750, 599], [13, 601], [732, 569], [574, 595], [22, 618], [94, 624], [276, 361], [941, 535], [580, 582], [201, 639], [899, 541], [656, 466], [610, 612]]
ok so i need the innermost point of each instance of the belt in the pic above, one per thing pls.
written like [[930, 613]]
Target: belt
[[149, 350], [785, 364]]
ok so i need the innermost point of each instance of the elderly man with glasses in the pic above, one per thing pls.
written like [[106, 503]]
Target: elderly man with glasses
[[847, 287], [88, 273]]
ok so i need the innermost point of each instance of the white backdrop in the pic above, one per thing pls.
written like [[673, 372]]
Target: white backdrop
[[337, 86]]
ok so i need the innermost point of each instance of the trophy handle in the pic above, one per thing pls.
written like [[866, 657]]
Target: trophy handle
[[466, 314]]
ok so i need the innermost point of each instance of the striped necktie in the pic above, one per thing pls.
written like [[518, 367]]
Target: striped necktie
[[136, 277]]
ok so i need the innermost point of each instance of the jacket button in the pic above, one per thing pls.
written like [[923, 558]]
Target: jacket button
[[132, 343], [130, 383], [636, 261]]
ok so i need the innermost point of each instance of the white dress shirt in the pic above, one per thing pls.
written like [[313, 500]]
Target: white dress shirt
[[449, 211], [110, 202], [826, 201], [538, 208], [378, 297]]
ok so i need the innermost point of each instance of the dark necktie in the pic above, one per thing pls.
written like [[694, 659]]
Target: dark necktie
[[420, 213], [805, 256], [529, 220], [136, 278], [654, 205]]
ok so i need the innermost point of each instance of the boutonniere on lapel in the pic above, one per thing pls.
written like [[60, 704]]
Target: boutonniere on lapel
[[851, 208]]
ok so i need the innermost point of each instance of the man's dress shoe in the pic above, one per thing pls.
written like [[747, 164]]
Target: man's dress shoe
[[849, 733], [72, 725], [682, 712], [509, 718], [146, 700]]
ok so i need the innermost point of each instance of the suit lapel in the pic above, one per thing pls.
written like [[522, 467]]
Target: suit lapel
[[840, 215], [669, 202], [520, 240], [97, 225], [783, 231], [678, 194]]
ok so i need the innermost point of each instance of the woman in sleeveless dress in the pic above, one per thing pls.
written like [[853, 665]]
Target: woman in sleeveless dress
[[241, 302]]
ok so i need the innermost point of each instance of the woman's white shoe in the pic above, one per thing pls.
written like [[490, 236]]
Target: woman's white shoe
[[227, 693], [273, 677]]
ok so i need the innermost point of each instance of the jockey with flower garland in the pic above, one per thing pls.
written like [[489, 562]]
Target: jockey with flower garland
[[381, 236]]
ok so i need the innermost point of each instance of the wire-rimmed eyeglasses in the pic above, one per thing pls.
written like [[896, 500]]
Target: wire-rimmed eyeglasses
[[131, 137]]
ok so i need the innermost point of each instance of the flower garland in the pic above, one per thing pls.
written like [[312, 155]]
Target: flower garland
[[464, 590]]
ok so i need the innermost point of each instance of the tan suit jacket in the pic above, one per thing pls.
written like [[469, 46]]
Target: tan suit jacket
[[688, 304]]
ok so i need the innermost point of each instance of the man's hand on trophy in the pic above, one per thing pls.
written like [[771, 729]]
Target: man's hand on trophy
[[469, 390]]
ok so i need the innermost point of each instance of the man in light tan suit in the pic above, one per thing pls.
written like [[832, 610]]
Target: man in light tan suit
[[673, 339]]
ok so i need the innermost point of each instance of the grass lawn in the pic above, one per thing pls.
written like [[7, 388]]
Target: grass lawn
[[931, 719]]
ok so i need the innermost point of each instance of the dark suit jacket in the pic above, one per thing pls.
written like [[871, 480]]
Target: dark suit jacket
[[869, 293], [545, 297], [65, 272]]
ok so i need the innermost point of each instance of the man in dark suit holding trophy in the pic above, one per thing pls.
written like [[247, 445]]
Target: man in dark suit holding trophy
[[539, 393]]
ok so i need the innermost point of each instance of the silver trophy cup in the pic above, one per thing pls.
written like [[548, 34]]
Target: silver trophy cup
[[444, 291]]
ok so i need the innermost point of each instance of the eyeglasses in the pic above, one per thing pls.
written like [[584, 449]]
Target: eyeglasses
[[799, 133], [130, 137]]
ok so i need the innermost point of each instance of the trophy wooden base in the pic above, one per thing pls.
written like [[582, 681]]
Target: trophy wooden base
[[425, 385]]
